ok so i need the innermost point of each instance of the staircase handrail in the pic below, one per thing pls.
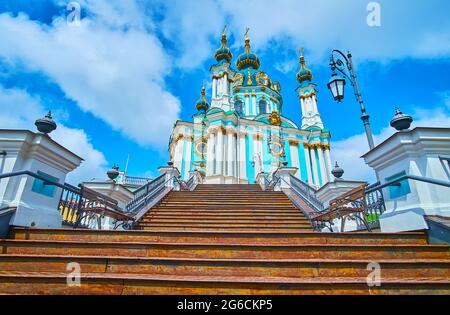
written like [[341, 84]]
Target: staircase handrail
[[301, 189], [397, 182], [192, 182], [72, 201], [306, 192], [142, 194], [45, 180]]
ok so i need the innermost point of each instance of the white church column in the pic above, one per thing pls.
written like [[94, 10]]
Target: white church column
[[225, 84], [187, 162], [234, 152], [178, 151], [254, 112], [241, 154], [328, 162], [322, 165], [219, 151], [308, 164], [295, 162], [230, 156], [210, 153], [314, 167], [258, 152], [214, 88], [247, 104]]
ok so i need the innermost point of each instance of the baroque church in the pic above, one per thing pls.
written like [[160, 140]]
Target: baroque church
[[242, 132]]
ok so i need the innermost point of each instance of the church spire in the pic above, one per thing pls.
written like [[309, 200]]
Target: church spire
[[247, 58], [202, 104], [304, 74], [223, 52], [307, 95]]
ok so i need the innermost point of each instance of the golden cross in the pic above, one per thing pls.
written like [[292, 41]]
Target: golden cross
[[224, 29], [246, 31], [301, 51]]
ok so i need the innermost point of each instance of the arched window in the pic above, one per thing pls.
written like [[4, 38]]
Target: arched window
[[238, 107], [262, 107]]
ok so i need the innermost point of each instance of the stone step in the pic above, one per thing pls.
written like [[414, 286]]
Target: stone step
[[223, 217], [219, 224], [223, 221], [101, 283], [229, 202], [289, 268], [207, 212], [225, 250], [225, 207], [249, 237], [242, 229]]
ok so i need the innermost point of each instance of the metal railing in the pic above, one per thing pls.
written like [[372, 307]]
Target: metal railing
[[71, 201], [144, 194], [375, 202], [70, 206], [191, 183], [136, 181], [307, 193]]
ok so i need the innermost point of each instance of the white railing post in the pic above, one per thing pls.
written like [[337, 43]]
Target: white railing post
[[169, 172], [197, 178], [284, 173], [261, 179]]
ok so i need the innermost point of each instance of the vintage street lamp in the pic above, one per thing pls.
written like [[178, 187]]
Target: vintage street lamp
[[336, 85]]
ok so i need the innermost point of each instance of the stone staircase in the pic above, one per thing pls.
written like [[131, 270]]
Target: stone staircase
[[221, 239], [239, 208]]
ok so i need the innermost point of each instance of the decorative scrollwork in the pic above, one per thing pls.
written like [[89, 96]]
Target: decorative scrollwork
[[238, 79], [263, 79]]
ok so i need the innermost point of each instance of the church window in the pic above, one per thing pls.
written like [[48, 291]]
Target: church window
[[238, 107], [262, 106]]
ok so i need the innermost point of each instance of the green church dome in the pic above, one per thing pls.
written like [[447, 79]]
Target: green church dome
[[247, 58], [202, 104], [223, 52]]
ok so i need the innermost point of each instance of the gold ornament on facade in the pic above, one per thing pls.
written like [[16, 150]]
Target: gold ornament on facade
[[249, 77], [303, 96], [238, 79], [179, 137], [257, 137], [293, 142], [275, 119]]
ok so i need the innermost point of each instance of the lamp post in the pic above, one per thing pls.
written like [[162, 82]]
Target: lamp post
[[337, 84]]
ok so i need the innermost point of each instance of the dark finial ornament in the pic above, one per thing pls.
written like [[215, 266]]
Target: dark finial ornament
[[337, 171], [113, 172], [46, 124], [401, 121]]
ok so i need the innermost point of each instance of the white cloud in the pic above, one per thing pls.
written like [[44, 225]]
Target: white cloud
[[19, 110], [286, 66], [318, 25], [348, 151], [116, 74], [192, 26]]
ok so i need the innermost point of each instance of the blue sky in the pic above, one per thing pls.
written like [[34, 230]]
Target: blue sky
[[117, 83]]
